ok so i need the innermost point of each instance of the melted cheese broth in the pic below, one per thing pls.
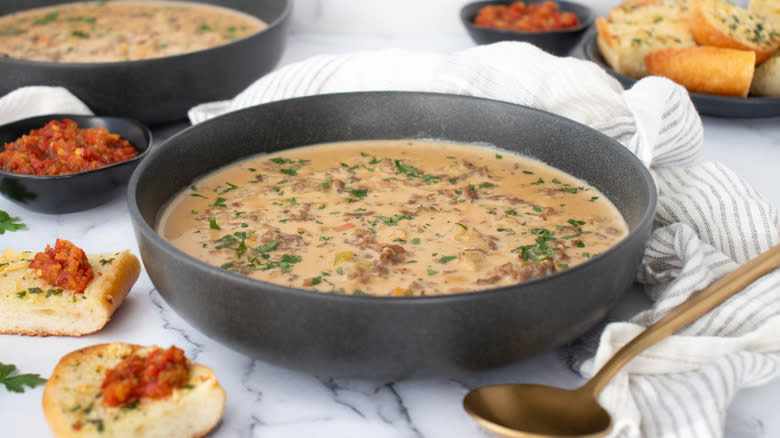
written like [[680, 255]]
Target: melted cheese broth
[[392, 218], [120, 30]]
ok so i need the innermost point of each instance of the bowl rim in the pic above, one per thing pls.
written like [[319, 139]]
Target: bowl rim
[[144, 228], [45, 118], [91, 65], [469, 10]]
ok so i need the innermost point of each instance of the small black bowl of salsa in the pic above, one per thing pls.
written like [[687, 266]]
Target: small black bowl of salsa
[[555, 27], [85, 176]]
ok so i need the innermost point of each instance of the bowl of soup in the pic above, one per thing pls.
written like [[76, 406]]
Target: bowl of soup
[[391, 234], [147, 60]]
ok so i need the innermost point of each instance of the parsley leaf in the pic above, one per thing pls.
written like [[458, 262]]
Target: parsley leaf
[[17, 382], [8, 223]]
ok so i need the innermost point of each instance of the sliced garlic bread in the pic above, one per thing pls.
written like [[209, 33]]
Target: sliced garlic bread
[[30, 305], [705, 69], [719, 23], [624, 45], [74, 406], [643, 12]]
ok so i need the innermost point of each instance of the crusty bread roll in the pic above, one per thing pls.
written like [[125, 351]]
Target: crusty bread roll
[[74, 407], [766, 79], [704, 69], [722, 24], [638, 27], [31, 306]]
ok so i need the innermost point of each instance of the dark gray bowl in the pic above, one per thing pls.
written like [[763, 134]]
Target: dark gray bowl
[[556, 42], [77, 191], [159, 90], [381, 337]]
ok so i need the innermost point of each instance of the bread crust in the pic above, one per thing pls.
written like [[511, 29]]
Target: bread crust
[[704, 69], [72, 400], [30, 306], [721, 24]]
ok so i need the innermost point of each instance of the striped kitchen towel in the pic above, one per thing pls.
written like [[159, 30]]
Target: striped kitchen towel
[[708, 221]]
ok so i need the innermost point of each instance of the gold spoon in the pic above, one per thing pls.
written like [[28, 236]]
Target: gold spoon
[[526, 410]]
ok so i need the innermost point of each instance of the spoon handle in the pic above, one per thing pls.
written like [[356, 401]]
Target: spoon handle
[[687, 312]]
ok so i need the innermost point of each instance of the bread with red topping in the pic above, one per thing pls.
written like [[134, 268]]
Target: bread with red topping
[[75, 406], [32, 305]]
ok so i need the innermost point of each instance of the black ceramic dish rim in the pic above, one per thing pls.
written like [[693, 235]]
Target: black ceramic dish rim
[[469, 11], [45, 118], [91, 65], [644, 222]]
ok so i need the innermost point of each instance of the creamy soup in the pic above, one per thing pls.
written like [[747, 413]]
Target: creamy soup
[[392, 218], [108, 31]]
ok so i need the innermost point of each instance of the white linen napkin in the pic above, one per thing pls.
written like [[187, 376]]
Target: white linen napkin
[[39, 100], [708, 221]]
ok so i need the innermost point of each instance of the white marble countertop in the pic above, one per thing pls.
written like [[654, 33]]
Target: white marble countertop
[[267, 401]]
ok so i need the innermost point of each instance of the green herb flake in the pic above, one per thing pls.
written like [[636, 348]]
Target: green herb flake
[[8, 223], [446, 259], [15, 382]]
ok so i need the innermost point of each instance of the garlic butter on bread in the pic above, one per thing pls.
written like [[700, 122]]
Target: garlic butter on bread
[[703, 45], [178, 398], [638, 27], [719, 23], [31, 305]]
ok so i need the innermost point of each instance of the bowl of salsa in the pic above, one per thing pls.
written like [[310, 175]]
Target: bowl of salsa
[[555, 27], [62, 163]]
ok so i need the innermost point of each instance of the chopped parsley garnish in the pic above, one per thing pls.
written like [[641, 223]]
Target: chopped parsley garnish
[[8, 223], [15, 382]]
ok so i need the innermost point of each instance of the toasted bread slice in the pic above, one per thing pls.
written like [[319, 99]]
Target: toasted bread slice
[[766, 80], [705, 69], [73, 404], [624, 45], [31, 306], [643, 12], [721, 24]]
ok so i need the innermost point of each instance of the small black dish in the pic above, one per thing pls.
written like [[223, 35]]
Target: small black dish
[[556, 42], [77, 191]]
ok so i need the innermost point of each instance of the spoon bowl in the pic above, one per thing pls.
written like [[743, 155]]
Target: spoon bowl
[[527, 410], [545, 410]]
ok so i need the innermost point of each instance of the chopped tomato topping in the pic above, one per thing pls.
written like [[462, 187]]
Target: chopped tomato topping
[[61, 147], [65, 265], [154, 375]]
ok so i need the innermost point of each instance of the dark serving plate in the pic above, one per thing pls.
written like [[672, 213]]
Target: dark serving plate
[[706, 104], [159, 90], [78, 191], [385, 337], [557, 42]]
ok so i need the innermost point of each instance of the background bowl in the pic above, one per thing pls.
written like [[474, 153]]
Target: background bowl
[[384, 337], [78, 191], [556, 42], [159, 90]]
